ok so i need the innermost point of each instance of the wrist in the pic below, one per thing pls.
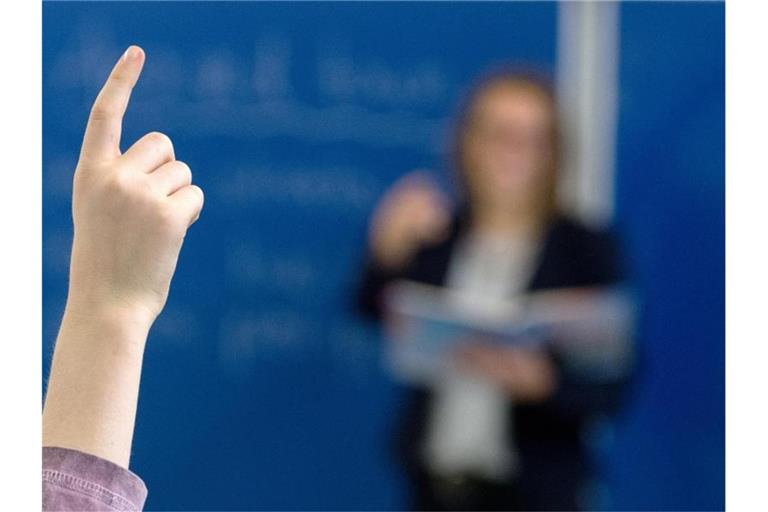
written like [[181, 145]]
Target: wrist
[[88, 302], [107, 323]]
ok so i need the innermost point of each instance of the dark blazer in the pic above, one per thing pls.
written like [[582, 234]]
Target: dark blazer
[[548, 435]]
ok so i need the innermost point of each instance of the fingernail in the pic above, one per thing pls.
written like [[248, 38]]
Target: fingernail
[[131, 53]]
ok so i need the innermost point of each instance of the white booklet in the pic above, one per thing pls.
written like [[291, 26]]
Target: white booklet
[[425, 324]]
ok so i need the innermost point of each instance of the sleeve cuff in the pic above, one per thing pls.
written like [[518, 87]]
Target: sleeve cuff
[[73, 478]]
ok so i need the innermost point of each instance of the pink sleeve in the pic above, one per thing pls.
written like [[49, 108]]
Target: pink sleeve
[[74, 480]]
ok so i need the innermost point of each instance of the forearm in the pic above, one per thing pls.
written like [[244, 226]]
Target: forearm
[[93, 387]]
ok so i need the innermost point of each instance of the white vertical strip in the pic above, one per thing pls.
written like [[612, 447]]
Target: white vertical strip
[[587, 83]]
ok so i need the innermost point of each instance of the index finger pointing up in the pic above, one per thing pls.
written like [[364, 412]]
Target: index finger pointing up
[[102, 135]]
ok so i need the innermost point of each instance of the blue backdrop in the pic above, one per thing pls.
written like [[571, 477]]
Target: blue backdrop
[[261, 389]]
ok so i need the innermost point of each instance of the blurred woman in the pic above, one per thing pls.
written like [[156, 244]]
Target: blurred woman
[[506, 431]]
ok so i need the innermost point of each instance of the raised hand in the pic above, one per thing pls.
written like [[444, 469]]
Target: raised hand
[[131, 210], [413, 213]]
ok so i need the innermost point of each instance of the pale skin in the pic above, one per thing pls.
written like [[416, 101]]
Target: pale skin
[[507, 152], [131, 213]]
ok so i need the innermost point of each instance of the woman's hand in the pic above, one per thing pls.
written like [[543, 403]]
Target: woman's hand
[[529, 375], [412, 213]]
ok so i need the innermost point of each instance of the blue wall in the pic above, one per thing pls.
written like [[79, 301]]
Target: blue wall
[[670, 447], [260, 389]]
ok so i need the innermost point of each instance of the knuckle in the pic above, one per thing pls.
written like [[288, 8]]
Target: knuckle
[[200, 197], [85, 176], [161, 141], [117, 192], [120, 79], [185, 171], [117, 183], [102, 111], [133, 190]]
